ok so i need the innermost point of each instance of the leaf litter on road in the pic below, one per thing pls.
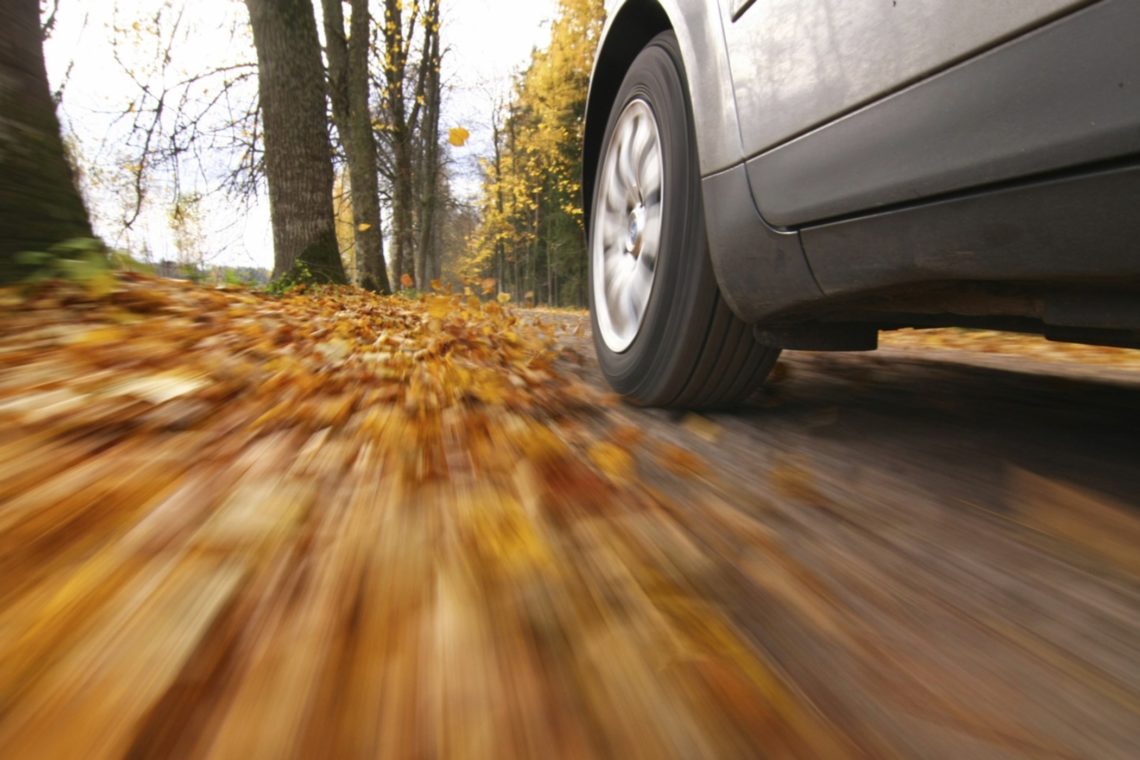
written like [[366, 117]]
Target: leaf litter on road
[[332, 524], [337, 523]]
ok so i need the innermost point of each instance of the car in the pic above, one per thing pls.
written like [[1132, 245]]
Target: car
[[769, 174]]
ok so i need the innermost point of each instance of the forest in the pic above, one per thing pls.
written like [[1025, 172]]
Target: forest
[[331, 114]]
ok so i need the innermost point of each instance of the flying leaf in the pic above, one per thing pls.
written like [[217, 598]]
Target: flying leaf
[[363, 227], [488, 286], [457, 136], [406, 280]]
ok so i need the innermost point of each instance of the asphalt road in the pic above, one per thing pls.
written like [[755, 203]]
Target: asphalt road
[[938, 553]]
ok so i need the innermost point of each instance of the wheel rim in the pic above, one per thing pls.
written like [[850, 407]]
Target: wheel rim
[[626, 234]]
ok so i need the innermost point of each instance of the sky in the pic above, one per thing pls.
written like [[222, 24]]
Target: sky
[[485, 43]]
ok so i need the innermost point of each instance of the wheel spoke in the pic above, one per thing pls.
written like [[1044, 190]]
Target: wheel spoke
[[640, 285], [628, 298], [611, 229], [615, 201], [614, 261], [641, 146], [649, 173], [626, 169], [651, 237]]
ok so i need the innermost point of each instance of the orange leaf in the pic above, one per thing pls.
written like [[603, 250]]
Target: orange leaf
[[680, 461]]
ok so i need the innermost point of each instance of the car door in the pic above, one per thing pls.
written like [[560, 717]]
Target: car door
[[798, 64]]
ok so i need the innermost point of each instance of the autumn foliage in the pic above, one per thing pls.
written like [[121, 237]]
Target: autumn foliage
[[530, 236], [244, 524]]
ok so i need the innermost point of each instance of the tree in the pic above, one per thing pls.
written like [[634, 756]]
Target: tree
[[530, 237], [348, 90], [39, 204], [185, 220], [406, 108], [427, 257], [298, 158]]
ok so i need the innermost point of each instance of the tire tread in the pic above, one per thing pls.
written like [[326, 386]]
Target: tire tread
[[730, 366]]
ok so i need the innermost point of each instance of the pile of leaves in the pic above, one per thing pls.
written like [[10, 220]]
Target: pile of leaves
[[335, 524], [1011, 344]]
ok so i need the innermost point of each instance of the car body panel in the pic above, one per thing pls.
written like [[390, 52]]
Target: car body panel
[[701, 39], [760, 270], [800, 63], [989, 119], [1072, 231]]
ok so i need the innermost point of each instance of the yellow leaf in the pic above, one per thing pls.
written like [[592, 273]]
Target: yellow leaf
[[406, 280], [439, 306], [612, 460], [457, 136], [488, 285], [504, 297], [363, 227]]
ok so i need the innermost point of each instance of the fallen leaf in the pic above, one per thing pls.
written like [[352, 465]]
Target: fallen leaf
[[702, 427], [612, 460]]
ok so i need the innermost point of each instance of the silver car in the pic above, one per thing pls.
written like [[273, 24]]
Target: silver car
[[767, 174]]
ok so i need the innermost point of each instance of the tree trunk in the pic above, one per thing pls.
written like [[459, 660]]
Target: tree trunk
[[402, 206], [298, 159], [429, 134], [348, 91], [500, 252], [395, 67], [39, 204]]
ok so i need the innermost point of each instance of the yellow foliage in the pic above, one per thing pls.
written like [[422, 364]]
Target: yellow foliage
[[538, 152]]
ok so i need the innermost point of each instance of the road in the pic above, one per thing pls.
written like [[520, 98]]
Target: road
[[935, 550], [332, 524]]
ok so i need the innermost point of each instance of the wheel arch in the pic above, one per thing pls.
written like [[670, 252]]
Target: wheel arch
[[626, 33], [700, 35]]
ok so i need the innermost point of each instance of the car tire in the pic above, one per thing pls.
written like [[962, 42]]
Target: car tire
[[663, 334]]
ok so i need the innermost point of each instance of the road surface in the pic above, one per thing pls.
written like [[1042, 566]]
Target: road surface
[[338, 525], [938, 551]]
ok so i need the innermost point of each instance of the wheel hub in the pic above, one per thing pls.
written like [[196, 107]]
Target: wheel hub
[[636, 228], [626, 232]]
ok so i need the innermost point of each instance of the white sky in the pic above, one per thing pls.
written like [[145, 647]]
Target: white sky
[[485, 42]]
